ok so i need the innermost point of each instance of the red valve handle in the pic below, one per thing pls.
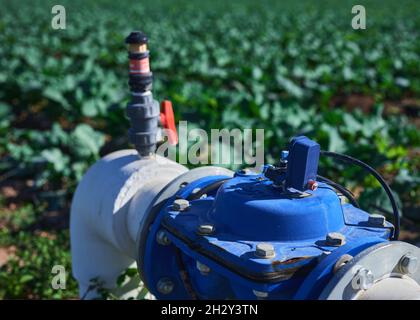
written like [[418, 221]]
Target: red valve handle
[[168, 121]]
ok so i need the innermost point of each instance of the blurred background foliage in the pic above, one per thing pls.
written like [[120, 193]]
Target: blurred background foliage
[[289, 67]]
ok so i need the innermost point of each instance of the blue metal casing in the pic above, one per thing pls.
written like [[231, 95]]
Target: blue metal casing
[[273, 207], [247, 210]]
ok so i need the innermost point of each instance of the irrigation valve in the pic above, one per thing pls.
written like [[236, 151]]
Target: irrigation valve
[[210, 233], [143, 110]]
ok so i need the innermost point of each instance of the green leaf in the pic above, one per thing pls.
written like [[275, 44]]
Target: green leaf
[[56, 158], [85, 141], [89, 108], [26, 278]]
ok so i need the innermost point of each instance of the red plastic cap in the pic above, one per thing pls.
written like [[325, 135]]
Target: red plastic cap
[[167, 119]]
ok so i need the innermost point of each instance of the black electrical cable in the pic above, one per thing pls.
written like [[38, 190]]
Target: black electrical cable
[[212, 186], [373, 172], [340, 188]]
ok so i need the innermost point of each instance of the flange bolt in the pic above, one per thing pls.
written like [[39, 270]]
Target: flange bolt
[[162, 238], [265, 250], [204, 269], [409, 264], [180, 204], [363, 279], [165, 286], [205, 229], [335, 239]]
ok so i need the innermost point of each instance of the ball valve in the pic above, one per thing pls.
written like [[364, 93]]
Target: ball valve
[[210, 233]]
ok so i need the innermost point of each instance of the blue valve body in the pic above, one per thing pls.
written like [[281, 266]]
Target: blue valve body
[[246, 211], [243, 218]]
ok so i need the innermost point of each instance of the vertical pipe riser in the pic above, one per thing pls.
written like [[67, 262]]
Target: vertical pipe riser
[[143, 111]]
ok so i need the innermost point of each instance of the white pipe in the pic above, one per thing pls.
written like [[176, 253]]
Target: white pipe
[[103, 226], [403, 288]]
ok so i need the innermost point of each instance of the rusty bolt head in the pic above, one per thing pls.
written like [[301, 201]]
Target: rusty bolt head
[[265, 250], [162, 238], [376, 220], [409, 264], [205, 229], [335, 239], [180, 204], [165, 286], [312, 185]]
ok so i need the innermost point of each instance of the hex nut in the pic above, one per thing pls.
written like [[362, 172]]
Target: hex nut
[[409, 264], [180, 205], [205, 229], [204, 269], [335, 239], [377, 220], [265, 250], [363, 279], [165, 286]]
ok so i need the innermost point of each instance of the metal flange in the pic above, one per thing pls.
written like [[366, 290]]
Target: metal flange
[[377, 264], [146, 237]]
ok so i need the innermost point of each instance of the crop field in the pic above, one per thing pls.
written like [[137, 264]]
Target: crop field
[[289, 67]]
